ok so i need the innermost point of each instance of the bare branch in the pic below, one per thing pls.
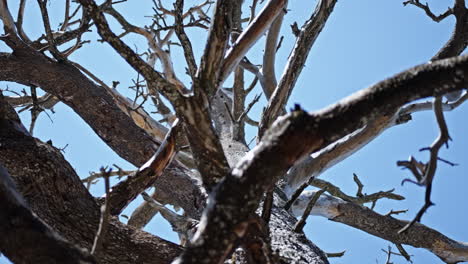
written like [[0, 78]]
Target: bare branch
[[249, 36], [152, 77], [104, 220], [302, 221], [336, 255], [7, 19], [94, 176], [308, 34], [183, 38], [50, 39], [431, 167], [184, 226], [251, 104], [341, 149], [428, 10], [335, 191], [215, 48], [359, 185], [269, 56], [403, 252], [124, 192]]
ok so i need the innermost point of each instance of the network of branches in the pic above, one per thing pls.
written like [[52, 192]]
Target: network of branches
[[244, 198]]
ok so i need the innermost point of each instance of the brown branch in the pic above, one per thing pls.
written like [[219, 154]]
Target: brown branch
[[66, 17], [72, 87], [459, 38], [403, 252], [19, 22], [74, 213], [359, 185], [336, 255], [428, 10], [126, 191], [67, 35]]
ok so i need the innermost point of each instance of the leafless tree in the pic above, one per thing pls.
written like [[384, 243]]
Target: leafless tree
[[240, 204]]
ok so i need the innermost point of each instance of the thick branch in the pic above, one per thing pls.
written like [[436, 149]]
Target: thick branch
[[22, 229], [314, 166], [93, 103]]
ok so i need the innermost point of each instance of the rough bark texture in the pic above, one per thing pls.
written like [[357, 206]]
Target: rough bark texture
[[55, 193], [25, 238]]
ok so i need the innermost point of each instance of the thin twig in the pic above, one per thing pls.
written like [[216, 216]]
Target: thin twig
[[428, 10], [104, 221], [403, 252], [295, 195], [336, 255], [429, 174], [301, 223], [50, 38], [359, 184]]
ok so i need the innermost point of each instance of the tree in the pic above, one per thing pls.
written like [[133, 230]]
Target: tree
[[240, 204]]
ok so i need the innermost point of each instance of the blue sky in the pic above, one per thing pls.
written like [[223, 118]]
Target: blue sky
[[363, 42]]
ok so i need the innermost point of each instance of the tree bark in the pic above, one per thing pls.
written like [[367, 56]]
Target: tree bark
[[55, 193]]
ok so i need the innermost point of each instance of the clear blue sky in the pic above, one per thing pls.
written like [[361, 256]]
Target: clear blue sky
[[363, 42]]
